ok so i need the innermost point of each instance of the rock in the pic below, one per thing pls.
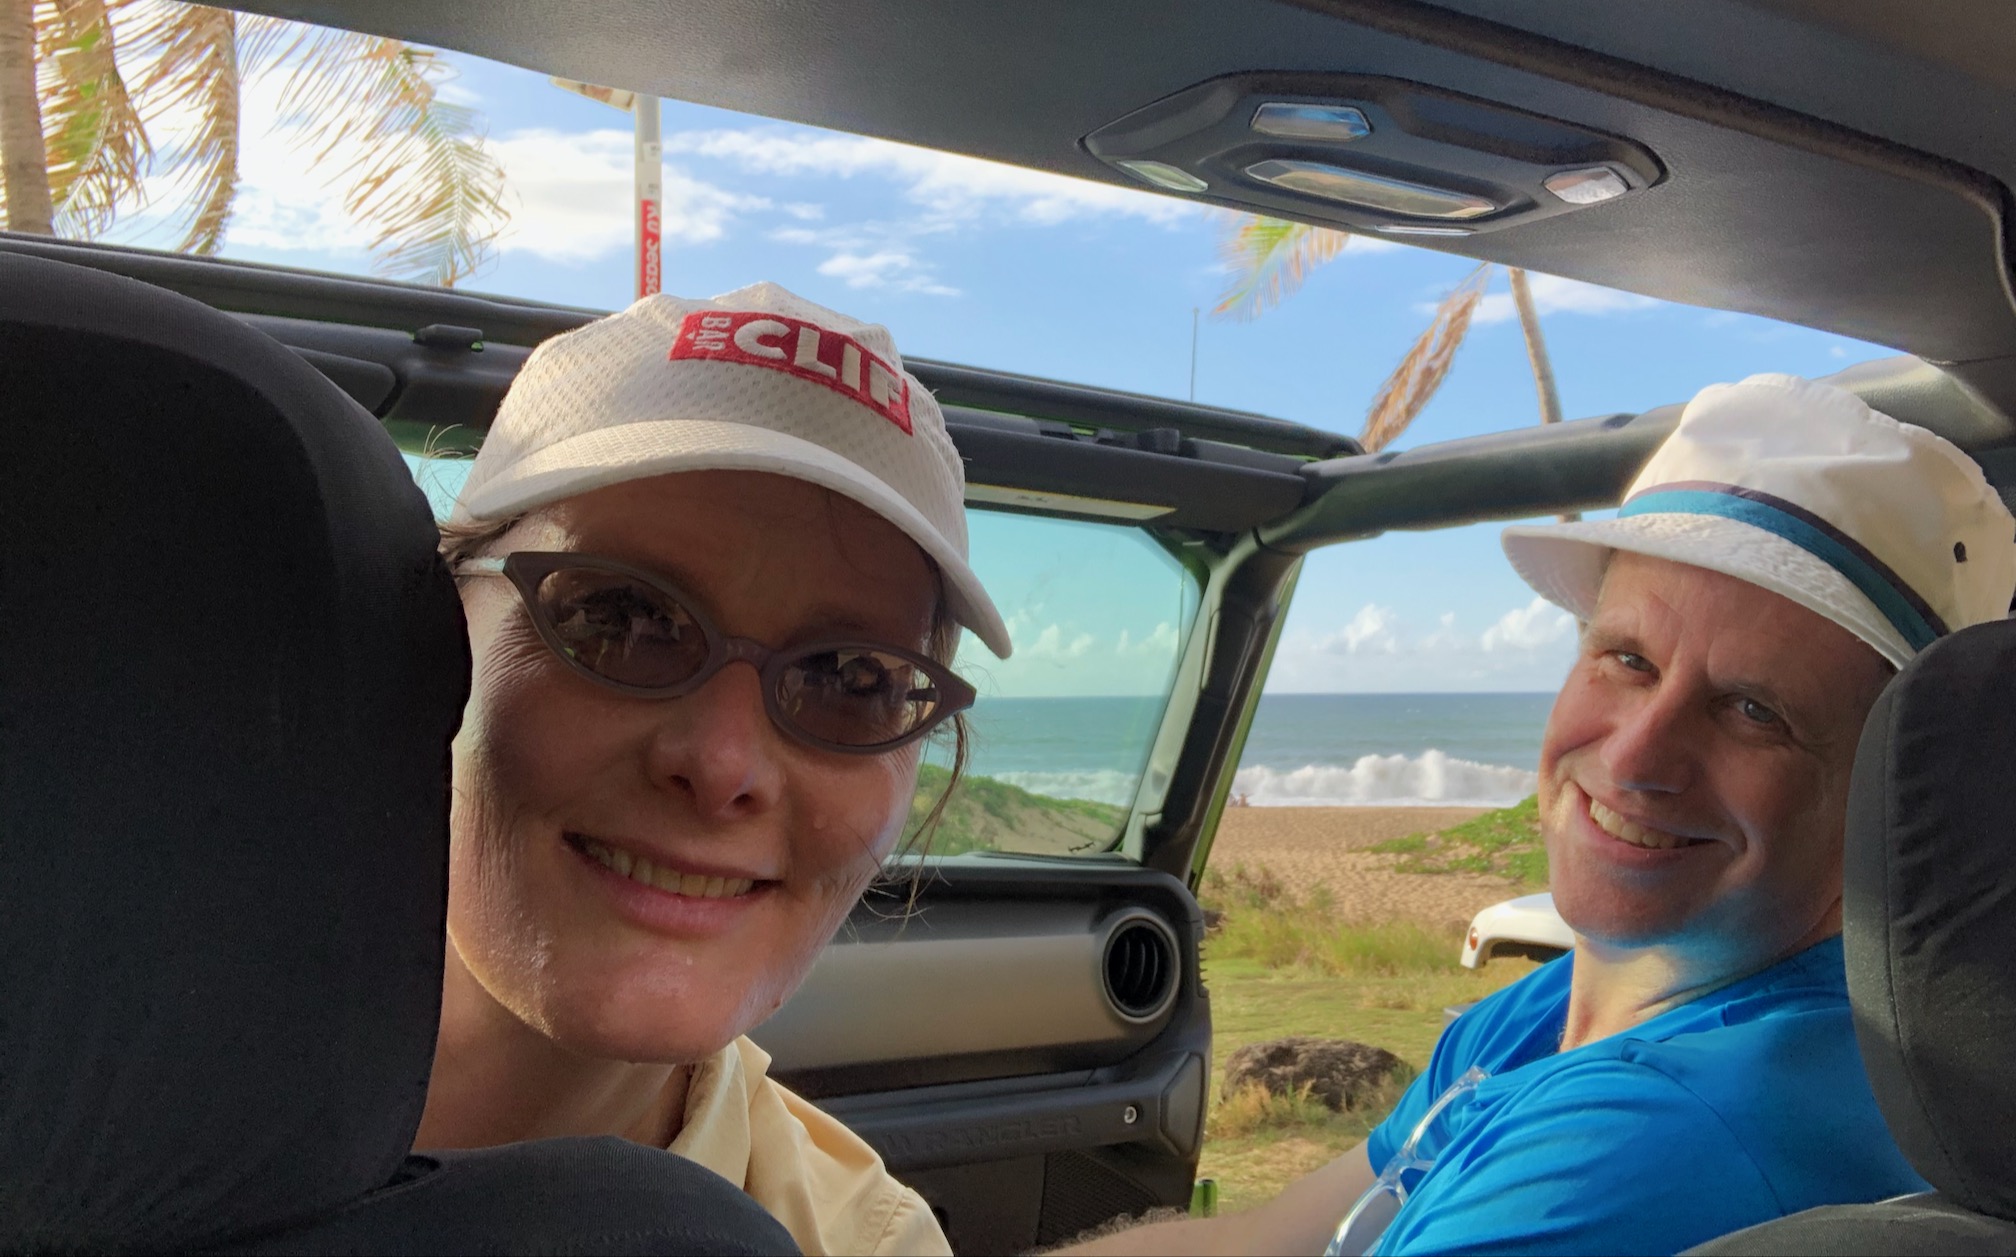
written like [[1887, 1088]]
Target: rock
[[1338, 1072]]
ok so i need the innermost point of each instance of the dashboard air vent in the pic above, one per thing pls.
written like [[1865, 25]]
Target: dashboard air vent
[[1141, 968]]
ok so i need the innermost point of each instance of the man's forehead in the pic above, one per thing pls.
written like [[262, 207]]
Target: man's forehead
[[1742, 633]]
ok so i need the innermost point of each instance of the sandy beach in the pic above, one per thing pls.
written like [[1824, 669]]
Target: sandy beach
[[1308, 847]]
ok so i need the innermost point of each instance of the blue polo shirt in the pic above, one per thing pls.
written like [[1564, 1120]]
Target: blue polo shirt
[[1741, 1106]]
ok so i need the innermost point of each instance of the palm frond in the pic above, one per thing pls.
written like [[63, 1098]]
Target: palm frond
[[191, 53], [97, 149], [1269, 258], [416, 168], [1427, 363]]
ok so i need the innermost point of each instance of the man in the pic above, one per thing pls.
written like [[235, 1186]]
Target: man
[[1691, 1067]]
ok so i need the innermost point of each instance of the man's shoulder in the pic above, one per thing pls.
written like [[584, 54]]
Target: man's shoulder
[[1787, 1090], [1510, 1018]]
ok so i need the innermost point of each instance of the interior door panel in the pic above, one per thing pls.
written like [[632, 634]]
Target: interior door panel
[[1028, 1044]]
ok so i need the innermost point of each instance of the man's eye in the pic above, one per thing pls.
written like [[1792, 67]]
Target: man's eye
[[1756, 712], [1637, 663]]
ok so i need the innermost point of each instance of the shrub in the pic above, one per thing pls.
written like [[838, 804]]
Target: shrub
[[1252, 1110]]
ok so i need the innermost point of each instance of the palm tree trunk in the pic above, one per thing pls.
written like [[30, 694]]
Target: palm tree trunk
[[24, 170], [1536, 354]]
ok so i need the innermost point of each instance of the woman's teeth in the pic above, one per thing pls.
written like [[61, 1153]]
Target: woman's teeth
[[639, 869], [1632, 832]]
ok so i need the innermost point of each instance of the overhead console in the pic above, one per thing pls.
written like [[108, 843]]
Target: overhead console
[[1372, 154]]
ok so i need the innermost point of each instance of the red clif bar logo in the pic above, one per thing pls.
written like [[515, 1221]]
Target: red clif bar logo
[[798, 348]]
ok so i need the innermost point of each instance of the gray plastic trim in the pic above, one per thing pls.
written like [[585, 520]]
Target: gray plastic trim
[[963, 991]]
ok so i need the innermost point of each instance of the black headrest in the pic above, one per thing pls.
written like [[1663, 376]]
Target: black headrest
[[232, 668], [1931, 913]]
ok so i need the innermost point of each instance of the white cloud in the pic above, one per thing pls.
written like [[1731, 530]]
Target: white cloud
[[1446, 638], [886, 267], [1554, 295], [933, 194], [1537, 624], [1371, 630], [284, 199], [1050, 644], [453, 92], [1160, 641], [570, 196], [948, 185]]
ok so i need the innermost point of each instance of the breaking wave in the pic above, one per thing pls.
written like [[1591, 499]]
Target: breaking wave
[[1429, 778], [1104, 785]]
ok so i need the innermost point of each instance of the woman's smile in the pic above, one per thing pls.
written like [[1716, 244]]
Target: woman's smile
[[665, 897]]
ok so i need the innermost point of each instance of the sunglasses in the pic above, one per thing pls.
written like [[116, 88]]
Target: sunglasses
[[627, 629]]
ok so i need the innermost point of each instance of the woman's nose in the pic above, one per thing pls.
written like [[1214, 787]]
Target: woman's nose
[[717, 747], [1652, 746]]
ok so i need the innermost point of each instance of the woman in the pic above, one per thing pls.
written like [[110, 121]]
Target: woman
[[651, 840]]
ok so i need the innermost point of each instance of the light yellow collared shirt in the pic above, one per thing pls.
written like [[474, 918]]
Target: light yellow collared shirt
[[821, 1180]]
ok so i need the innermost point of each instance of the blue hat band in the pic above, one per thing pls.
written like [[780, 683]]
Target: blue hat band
[[1909, 614]]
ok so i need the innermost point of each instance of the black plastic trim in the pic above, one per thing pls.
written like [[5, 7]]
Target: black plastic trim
[[313, 297]]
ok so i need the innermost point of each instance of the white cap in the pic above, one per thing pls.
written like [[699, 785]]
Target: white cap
[[1885, 528], [755, 380]]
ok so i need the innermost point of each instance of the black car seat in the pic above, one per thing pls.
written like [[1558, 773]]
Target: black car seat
[[1930, 933], [230, 667]]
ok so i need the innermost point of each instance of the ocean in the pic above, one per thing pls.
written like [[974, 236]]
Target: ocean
[[1304, 749]]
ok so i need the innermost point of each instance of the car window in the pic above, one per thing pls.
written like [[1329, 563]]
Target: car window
[[1060, 736]]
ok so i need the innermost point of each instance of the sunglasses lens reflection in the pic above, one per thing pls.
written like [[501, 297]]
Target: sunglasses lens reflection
[[856, 696], [622, 629]]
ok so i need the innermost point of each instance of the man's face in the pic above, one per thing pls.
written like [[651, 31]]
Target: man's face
[[1694, 772]]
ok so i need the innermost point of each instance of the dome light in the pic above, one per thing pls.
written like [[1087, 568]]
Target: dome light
[[1374, 192]]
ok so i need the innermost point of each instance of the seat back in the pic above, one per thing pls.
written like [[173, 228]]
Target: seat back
[[1931, 914], [1930, 937], [231, 665]]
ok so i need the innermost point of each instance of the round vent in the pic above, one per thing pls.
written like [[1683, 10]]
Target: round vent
[[1141, 968]]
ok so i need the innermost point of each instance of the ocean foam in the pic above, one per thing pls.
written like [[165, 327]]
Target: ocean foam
[[1387, 781], [1429, 779], [1104, 785]]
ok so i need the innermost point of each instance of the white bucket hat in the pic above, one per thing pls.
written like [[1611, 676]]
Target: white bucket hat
[[1885, 528], [755, 380]]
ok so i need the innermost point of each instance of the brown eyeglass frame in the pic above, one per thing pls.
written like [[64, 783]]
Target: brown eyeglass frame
[[526, 569]]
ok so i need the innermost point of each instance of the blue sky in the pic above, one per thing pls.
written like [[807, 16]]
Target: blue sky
[[1023, 271]]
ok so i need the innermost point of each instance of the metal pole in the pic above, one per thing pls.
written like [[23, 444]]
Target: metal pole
[[650, 197]]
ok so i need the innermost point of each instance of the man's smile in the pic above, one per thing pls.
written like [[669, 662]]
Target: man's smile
[[1629, 831]]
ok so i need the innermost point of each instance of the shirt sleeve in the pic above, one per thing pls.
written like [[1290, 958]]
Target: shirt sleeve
[[912, 1231], [1614, 1157], [1455, 1051]]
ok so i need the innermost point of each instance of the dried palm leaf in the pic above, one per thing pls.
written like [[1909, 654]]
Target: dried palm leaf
[[1427, 363], [416, 167], [191, 54], [97, 149], [1269, 258]]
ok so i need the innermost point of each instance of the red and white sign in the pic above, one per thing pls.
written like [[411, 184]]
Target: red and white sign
[[795, 347], [650, 276]]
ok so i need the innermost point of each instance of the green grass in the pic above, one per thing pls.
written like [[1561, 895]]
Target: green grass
[[990, 815], [1262, 923], [1504, 843], [1275, 966]]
